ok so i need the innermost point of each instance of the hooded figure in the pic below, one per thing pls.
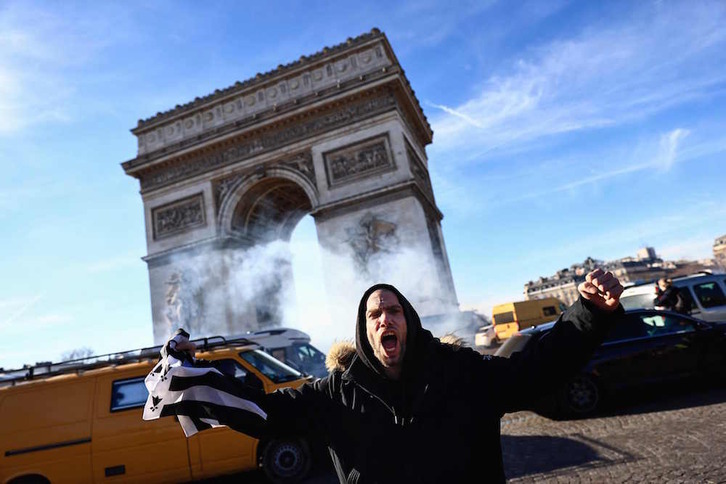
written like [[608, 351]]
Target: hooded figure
[[408, 408]]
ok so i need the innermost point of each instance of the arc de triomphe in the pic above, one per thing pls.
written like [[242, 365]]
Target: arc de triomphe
[[339, 135]]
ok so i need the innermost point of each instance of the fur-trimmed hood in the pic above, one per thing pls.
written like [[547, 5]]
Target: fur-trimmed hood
[[341, 353]]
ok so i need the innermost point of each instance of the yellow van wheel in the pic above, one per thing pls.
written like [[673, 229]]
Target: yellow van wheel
[[31, 479], [286, 460]]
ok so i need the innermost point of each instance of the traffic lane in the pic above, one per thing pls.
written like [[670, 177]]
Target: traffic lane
[[672, 436]]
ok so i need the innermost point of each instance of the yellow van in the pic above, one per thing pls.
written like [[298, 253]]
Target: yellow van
[[511, 317], [80, 422]]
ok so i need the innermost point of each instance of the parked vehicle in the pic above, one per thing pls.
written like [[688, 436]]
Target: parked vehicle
[[485, 337], [80, 422], [646, 346], [704, 293], [292, 347], [462, 324], [514, 316]]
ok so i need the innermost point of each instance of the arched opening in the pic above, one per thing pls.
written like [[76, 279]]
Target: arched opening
[[270, 210], [265, 217]]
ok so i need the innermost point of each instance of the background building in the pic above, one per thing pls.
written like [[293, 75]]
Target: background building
[[719, 251], [646, 266]]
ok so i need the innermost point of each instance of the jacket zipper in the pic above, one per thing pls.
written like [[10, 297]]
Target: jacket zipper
[[396, 420]]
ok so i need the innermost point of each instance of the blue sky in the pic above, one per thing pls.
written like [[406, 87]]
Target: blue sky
[[562, 130]]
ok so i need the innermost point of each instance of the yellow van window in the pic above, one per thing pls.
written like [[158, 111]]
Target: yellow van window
[[549, 311], [129, 393], [503, 318]]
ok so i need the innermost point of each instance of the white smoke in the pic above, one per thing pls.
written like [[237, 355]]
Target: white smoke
[[303, 285], [329, 287]]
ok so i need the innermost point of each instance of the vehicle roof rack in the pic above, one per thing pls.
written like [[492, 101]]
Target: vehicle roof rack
[[704, 272], [47, 369]]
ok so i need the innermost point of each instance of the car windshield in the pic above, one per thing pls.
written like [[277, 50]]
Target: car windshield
[[273, 369]]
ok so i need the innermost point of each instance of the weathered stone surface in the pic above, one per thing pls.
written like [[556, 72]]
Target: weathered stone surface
[[188, 167], [339, 136]]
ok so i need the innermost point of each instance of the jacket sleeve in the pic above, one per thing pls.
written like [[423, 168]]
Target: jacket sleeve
[[307, 410], [551, 360]]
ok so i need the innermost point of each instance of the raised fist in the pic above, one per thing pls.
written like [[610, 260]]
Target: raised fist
[[602, 289]]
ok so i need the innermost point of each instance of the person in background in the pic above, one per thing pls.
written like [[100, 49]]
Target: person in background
[[669, 297]]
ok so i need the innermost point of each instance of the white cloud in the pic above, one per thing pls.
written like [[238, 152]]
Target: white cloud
[[435, 22], [41, 52], [665, 157], [15, 309], [599, 77], [669, 147], [568, 175], [23, 315]]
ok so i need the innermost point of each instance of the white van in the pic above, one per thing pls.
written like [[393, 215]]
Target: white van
[[292, 347], [705, 292]]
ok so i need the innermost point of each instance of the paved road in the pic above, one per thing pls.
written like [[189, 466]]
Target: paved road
[[666, 437]]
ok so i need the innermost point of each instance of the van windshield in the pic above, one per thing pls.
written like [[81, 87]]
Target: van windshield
[[273, 369]]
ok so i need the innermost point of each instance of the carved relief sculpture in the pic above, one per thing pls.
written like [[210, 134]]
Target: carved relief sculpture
[[184, 303], [302, 163], [224, 187], [371, 236], [356, 161], [178, 216]]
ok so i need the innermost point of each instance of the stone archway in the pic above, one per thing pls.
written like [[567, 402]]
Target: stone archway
[[266, 205], [339, 135]]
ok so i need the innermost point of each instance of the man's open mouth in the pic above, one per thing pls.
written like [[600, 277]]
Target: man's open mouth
[[389, 341]]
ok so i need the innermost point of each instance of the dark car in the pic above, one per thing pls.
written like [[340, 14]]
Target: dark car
[[645, 346]]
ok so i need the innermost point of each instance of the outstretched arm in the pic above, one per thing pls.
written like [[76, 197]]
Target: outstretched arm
[[548, 362], [203, 394]]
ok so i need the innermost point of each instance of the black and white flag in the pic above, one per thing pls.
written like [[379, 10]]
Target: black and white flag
[[198, 394]]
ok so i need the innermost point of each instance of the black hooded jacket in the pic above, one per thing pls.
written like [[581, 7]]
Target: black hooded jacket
[[440, 421]]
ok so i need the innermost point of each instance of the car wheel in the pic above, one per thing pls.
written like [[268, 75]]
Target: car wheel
[[286, 460], [580, 396]]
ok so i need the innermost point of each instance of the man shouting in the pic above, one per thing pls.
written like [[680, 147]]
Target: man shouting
[[412, 409]]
